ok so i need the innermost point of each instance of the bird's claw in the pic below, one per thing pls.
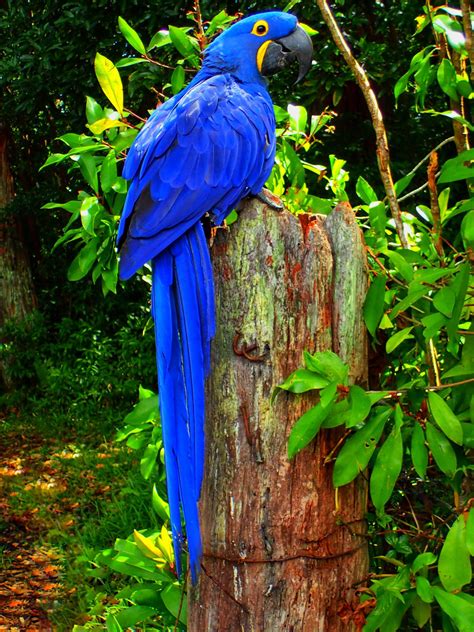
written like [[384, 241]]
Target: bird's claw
[[270, 200]]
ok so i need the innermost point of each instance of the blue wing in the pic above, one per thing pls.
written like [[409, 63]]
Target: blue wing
[[201, 153]]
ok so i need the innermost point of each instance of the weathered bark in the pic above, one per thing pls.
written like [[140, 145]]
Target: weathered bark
[[281, 553], [17, 295]]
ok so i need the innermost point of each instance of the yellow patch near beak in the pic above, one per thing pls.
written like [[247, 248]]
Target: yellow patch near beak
[[261, 54]]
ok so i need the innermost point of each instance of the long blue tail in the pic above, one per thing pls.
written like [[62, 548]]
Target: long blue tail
[[183, 311]]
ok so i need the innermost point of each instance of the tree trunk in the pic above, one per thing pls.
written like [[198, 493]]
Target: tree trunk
[[281, 551], [17, 295]]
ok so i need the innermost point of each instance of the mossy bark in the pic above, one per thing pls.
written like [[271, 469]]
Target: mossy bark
[[281, 552]]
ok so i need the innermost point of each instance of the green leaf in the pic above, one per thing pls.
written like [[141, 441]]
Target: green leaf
[[357, 450], [402, 184], [386, 469], [103, 124], [401, 265], [175, 601], [394, 341], [391, 605], [75, 140], [463, 86], [468, 433], [219, 21], [470, 531], [298, 117], [444, 301], [112, 625], [160, 506], [121, 564], [306, 428], [458, 609], [423, 589], [365, 191], [53, 159], [412, 297], [422, 560], [327, 395], [302, 380], [446, 75], [308, 29], [110, 278], [460, 286], [459, 168], [130, 61], [421, 612], [402, 84], [72, 207], [110, 81], [327, 364], [88, 168], [108, 171], [131, 36], [181, 41], [339, 414], [93, 110], [133, 615], [452, 29], [442, 450], [84, 261], [162, 38], [445, 418], [360, 406], [148, 460], [146, 410], [374, 303], [454, 565], [419, 451], [467, 230], [177, 79], [89, 208], [147, 597], [433, 324]]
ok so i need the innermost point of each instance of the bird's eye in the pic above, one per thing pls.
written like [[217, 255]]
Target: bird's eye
[[260, 28]]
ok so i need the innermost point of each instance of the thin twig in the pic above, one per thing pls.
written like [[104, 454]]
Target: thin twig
[[383, 154], [435, 210], [167, 66], [414, 192], [427, 157], [401, 391], [181, 602]]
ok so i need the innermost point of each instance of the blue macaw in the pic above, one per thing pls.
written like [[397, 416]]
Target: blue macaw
[[201, 152]]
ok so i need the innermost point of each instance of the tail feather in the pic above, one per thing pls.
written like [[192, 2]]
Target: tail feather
[[202, 263], [183, 311]]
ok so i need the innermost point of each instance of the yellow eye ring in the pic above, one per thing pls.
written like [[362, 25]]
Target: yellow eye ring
[[260, 28]]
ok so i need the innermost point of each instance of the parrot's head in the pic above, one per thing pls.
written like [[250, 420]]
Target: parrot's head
[[259, 46]]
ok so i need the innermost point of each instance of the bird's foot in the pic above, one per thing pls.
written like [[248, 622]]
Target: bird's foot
[[270, 200]]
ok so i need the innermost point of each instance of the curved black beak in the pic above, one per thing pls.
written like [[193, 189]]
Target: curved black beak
[[284, 51]]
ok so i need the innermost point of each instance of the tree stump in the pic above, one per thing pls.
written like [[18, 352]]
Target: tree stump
[[279, 555]]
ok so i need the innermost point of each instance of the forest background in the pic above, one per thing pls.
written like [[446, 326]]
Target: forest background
[[77, 348]]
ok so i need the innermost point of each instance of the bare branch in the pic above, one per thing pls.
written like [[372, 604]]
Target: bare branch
[[383, 154]]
